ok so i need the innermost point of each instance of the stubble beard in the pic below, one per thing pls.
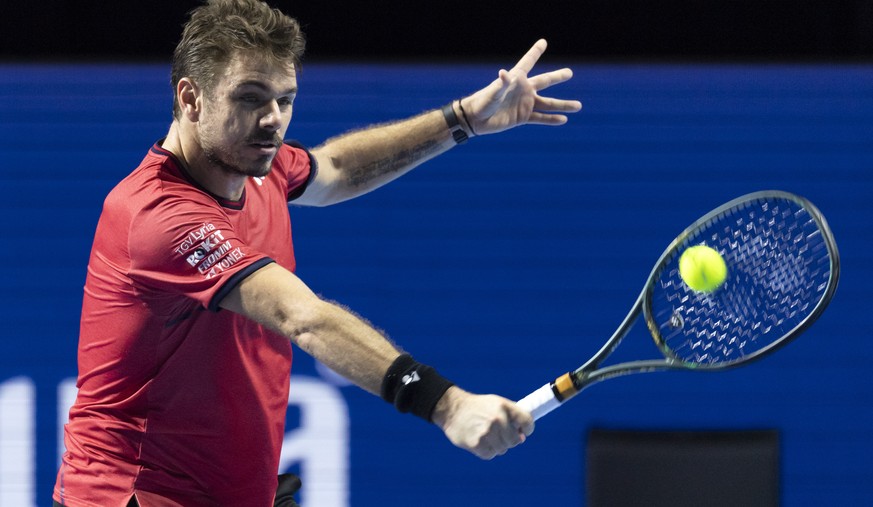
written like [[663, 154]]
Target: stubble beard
[[226, 163], [230, 163]]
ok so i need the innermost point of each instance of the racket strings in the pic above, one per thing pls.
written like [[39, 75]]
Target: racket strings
[[779, 269]]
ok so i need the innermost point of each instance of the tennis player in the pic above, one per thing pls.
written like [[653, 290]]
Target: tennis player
[[191, 303]]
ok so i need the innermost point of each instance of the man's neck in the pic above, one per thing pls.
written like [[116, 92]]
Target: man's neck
[[185, 146]]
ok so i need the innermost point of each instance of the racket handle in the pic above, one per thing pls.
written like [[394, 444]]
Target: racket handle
[[540, 402]]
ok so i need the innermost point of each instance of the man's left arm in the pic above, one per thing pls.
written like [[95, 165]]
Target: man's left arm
[[361, 161]]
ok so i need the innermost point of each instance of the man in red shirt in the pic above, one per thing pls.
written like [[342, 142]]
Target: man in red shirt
[[191, 299]]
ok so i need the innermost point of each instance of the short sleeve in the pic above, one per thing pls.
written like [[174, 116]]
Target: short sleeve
[[299, 167], [180, 246]]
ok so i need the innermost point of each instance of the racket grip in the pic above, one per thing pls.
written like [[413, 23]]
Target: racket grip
[[540, 402]]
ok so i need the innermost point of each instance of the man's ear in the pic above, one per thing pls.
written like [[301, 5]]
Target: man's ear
[[188, 95]]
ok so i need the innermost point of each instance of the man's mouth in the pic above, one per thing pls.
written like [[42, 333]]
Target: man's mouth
[[266, 146], [265, 141]]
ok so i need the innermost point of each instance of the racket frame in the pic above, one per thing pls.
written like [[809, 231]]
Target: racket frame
[[551, 395]]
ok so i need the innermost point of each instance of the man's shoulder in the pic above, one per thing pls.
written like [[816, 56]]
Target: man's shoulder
[[295, 166], [148, 201], [293, 156], [156, 179]]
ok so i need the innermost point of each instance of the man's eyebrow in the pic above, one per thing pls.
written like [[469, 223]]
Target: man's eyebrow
[[262, 86]]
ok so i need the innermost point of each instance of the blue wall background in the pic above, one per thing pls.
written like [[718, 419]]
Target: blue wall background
[[505, 262]]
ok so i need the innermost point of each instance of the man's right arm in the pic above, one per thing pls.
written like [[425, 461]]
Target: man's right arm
[[278, 299], [485, 425]]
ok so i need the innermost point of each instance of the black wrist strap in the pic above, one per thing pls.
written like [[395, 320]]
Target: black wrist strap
[[413, 387], [458, 133]]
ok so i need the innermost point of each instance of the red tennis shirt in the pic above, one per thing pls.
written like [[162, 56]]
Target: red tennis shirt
[[177, 397]]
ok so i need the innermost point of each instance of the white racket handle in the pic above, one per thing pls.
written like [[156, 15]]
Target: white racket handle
[[540, 402]]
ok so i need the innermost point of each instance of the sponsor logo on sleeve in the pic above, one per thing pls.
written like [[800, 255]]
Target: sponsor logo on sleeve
[[209, 251]]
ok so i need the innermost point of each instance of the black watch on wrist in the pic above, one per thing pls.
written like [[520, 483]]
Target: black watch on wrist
[[458, 133]]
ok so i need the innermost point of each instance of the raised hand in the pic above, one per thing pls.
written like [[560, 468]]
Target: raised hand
[[513, 98]]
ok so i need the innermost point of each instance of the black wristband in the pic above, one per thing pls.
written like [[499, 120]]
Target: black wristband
[[458, 133], [466, 120], [413, 387]]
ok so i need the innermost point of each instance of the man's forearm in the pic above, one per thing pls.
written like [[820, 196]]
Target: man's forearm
[[348, 345], [360, 161]]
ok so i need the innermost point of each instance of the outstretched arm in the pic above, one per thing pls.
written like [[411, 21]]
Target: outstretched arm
[[485, 425], [361, 161]]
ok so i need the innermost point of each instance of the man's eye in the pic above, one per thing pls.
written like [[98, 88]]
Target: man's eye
[[285, 101], [249, 99]]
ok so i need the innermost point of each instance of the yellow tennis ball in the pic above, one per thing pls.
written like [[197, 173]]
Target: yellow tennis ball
[[702, 268]]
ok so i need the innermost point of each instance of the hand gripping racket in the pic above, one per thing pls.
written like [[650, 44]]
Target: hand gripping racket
[[783, 268]]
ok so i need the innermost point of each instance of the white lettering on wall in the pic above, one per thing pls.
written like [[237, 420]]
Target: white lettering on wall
[[17, 442], [320, 444], [66, 397]]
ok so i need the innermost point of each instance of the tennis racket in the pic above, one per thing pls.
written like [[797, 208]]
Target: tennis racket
[[783, 268]]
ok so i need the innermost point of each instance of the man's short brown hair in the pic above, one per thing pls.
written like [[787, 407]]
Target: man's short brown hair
[[220, 28]]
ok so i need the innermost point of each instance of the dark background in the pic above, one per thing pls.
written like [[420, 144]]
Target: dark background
[[52, 30]]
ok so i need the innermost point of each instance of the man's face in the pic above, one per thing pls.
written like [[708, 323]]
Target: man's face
[[244, 118]]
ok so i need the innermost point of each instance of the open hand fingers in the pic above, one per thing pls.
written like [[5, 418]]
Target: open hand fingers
[[553, 105], [513, 98], [546, 108], [542, 81], [530, 58]]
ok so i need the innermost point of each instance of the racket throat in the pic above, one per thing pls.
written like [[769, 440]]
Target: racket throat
[[565, 387]]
